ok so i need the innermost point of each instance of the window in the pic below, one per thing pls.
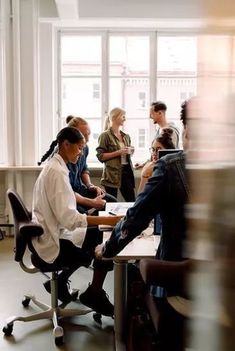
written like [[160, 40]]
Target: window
[[142, 138], [176, 72], [96, 91], [103, 70], [142, 99]]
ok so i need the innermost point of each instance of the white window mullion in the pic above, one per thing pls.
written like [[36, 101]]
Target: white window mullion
[[17, 81], [152, 79], [3, 113], [105, 76], [59, 81]]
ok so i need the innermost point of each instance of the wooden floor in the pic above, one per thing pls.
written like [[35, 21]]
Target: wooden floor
[[81, 333]]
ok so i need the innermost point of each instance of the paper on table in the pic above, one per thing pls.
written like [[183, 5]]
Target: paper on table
[[118, 209]]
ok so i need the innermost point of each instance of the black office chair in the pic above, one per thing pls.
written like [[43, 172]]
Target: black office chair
[[24, 230]]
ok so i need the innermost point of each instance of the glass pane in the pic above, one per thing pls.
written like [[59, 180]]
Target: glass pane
[[176, 54], [132, 94], [81, 97], [95, 125], [80, 55], [138, 129], [126, 55], [173, 91]]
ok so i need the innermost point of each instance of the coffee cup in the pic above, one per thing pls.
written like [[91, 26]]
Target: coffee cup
[[130, 149]]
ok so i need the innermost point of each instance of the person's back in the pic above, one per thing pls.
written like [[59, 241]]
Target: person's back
[[159, 196], [166, 193]]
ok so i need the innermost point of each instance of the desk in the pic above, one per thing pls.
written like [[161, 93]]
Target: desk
[[143, 247]]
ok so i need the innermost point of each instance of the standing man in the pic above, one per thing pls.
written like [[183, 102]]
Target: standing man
[[158, 115]]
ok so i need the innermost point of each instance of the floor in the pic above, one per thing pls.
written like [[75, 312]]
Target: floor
[[81, 333]]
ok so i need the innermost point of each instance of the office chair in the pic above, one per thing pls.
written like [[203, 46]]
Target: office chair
[[24, 230], [169, 324]]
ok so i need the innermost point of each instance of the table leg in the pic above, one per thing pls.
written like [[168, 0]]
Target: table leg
[[120, 304]]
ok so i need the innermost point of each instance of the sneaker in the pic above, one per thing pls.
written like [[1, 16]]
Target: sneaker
[[63, 291], [98, 301]]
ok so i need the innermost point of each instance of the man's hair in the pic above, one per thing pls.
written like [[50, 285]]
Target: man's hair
[[159, 106], [184, 113]]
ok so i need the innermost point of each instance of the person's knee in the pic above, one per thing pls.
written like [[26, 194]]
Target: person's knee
[[104, 265]]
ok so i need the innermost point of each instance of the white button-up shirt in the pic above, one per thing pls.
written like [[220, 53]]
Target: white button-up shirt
[[54, 207]]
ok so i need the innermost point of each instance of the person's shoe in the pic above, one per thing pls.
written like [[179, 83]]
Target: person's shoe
[[63, 291], [97, 300]]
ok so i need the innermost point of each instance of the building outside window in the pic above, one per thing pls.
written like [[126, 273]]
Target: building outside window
[[99, 72]]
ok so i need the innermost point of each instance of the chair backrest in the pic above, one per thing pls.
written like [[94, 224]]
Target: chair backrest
[[24, 228]]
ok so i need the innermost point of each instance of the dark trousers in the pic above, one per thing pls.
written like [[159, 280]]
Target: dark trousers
[[127, 187], [91, 195], [71, 257]]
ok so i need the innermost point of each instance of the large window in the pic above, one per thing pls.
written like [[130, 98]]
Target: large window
[[103, 70]]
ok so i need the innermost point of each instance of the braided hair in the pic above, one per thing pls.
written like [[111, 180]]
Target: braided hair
[[68, 133]]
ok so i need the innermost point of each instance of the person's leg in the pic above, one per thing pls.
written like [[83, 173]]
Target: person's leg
[[110, 198], [70, 258], [94, 296], [127, 184], [112, 191]]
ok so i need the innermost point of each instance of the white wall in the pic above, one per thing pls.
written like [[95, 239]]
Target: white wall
[[30, 75]]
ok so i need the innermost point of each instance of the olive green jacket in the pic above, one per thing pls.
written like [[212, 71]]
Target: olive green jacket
[[112, 171]]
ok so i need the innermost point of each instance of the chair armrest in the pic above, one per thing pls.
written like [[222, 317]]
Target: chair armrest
[[167, 274], [30, 230]]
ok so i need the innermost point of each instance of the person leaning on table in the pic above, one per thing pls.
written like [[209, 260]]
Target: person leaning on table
[[68, 241], [167, 193]]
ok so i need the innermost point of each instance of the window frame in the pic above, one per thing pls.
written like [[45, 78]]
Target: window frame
[[153, 77]]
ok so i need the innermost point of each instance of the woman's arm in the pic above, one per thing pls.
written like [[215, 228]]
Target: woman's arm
[[146, 173], [109, 220]]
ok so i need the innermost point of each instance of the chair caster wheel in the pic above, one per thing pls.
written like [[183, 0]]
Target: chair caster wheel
[[59, 341], [7, 329], [97, 318], [59, 335], [26, 301]]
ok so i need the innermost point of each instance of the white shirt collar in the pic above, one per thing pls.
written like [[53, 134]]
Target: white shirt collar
[[61, 162]]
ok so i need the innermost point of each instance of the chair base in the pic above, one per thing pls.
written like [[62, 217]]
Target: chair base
[[48, 312]]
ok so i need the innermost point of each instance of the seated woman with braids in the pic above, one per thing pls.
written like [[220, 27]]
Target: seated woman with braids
[[68, 241], [90, 198]]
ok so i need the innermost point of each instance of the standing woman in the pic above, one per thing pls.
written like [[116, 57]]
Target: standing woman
[[114, 150]]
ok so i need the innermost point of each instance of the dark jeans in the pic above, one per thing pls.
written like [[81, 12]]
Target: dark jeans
[[127, 187], [71, 257]]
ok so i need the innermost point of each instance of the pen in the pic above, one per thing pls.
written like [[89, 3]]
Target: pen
[[112, 213]]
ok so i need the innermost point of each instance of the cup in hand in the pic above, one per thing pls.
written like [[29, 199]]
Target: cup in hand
[[131, 150]]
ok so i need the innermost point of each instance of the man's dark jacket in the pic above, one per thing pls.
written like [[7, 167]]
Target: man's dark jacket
[[167, 193]]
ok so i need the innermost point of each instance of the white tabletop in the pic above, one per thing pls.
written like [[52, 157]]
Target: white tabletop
[[143, 246]]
